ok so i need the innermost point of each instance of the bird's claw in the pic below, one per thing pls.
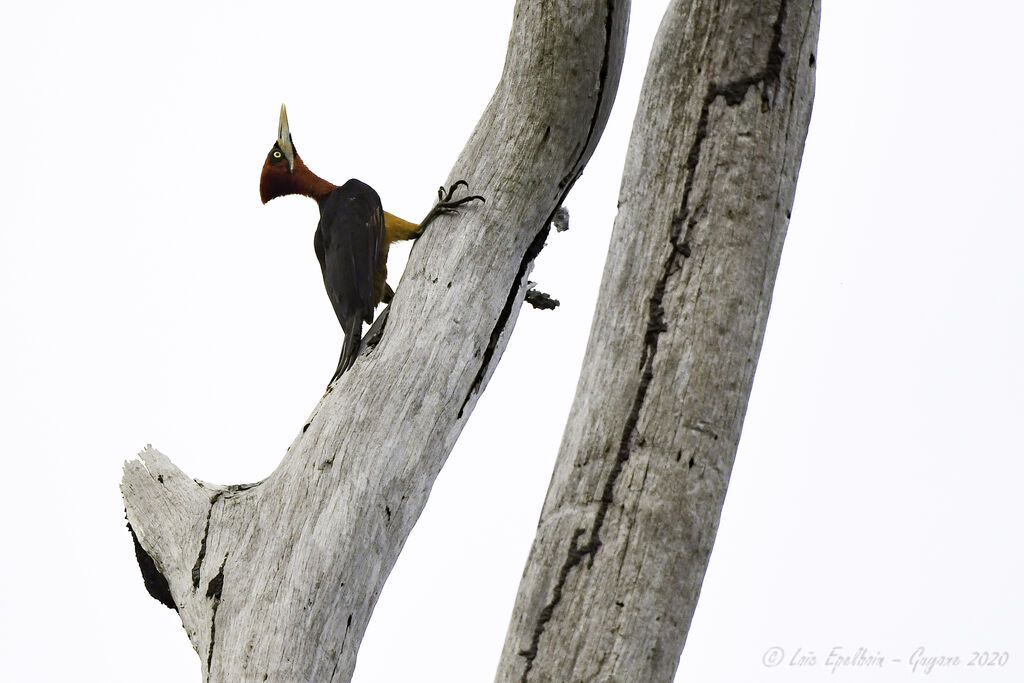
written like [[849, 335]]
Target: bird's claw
[[443, 196], [445, 203]]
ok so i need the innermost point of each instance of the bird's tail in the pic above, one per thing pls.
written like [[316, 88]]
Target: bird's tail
[[349, 350]]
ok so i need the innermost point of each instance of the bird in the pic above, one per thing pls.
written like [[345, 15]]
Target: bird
[[352, 238]]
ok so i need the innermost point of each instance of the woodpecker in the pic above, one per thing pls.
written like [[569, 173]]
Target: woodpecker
[[352, 237]]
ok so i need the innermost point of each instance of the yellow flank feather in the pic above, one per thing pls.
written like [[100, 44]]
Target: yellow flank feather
[[397, 229]]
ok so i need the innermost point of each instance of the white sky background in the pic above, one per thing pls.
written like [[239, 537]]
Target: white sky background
[[146, 296]]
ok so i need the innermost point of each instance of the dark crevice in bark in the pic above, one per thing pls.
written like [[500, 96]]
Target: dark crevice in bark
[[214, 591], [577, 168], [376, 331], [768, 77], [202, 545], [578, 553], [733, 92], [154, 580], [564, 186], [506, 312], [344, 639], [574, 557]]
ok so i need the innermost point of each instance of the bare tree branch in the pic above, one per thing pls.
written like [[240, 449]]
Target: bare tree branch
[[276, 581], [634, 502]]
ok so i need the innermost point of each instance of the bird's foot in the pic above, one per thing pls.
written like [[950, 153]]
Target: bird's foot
[[446, 203]]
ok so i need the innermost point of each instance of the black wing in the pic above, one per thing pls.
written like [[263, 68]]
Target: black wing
[[347, 243]]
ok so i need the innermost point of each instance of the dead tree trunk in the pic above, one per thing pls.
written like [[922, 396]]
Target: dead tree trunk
[[634, 502], [276, 581]]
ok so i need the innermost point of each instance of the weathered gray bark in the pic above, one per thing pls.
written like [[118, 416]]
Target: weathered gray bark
[[276, 581], [634, 502]]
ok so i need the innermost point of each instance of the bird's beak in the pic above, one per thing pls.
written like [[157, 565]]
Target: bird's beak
[[284, 139]]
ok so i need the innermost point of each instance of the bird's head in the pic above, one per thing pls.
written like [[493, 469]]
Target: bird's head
[[278, 177]]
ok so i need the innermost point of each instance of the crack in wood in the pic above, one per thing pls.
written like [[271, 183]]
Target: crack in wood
[[733, 92], [564, 186], [577, 168], [344, 639], [202, 544], [506, 312], [214, 591]]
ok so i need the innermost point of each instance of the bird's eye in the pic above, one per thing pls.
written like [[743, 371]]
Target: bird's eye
[[277, 154]]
